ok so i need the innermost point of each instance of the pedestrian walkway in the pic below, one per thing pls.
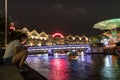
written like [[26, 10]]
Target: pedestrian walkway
[[11, 72], [31, 74]]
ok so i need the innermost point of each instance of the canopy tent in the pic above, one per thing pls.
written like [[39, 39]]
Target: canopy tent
[[111, 24]]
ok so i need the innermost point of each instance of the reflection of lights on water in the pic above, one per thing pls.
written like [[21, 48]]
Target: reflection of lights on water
[[36, 59], [85, 58], [56, 55], [32, 59], [73, 50], [82, 56], [82, 53], [59, 67], [39, 55], [107, 71], [56, 62], [108, 60], [46, 55]]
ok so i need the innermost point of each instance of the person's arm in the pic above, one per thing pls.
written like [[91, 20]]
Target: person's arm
[[16, 50], [19, 48]]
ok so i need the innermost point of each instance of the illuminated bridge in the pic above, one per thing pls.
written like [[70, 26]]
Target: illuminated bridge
[[85, 47]]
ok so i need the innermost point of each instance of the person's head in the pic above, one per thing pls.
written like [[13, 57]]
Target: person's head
[[23, 38]]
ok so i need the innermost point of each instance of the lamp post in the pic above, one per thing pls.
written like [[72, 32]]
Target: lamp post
[[5, 23]]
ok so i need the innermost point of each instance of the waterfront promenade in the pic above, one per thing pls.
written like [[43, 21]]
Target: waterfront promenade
[[11, 72]]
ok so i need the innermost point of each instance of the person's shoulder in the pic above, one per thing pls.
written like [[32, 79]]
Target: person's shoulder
[[15, 41]]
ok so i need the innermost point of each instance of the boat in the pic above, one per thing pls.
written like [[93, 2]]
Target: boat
[[73, 56]]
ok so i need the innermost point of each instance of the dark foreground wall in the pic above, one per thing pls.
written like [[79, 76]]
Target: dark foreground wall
[[10, 72]]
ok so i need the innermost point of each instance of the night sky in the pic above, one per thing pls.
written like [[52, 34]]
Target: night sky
[[76, 17]]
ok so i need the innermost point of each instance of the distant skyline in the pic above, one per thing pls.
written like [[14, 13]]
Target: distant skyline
[[76, 17]]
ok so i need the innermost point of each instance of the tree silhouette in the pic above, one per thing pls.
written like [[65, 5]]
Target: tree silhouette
[[11, 34]]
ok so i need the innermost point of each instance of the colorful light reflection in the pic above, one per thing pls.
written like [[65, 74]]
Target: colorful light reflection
[[59, 69]]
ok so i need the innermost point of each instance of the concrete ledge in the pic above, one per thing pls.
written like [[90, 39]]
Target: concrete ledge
[[10, 72], [31, 74]]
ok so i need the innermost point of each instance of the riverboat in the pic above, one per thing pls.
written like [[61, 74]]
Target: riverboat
[[73, 56]]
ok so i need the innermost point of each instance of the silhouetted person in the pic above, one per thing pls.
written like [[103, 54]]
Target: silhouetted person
[[15, 52]]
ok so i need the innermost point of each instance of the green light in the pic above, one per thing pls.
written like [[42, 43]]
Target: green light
[[108, 24]]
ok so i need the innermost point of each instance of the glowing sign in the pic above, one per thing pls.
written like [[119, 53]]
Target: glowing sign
[[58, 34], [12, 26]]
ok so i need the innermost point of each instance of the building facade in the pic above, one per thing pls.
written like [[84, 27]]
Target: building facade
[[42, 38]]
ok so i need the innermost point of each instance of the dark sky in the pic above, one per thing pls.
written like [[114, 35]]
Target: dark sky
[[76, 17]]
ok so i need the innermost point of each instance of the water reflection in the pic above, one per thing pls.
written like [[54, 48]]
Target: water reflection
[[108, 70], [58, 69], [87, 67]]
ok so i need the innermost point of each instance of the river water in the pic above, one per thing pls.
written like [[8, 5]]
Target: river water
[[86, 67]]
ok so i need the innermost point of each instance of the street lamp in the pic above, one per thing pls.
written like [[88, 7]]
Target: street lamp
[[5, 23]]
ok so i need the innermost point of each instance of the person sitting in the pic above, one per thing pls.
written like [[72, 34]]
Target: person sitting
[[16, 52]]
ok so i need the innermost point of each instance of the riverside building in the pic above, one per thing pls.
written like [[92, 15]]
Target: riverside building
[[42, 39]]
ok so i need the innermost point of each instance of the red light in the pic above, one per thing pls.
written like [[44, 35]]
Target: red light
[[58, 34], [12, 28]]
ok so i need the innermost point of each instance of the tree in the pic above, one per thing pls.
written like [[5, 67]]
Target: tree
[[11, 34], [2, 29]]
